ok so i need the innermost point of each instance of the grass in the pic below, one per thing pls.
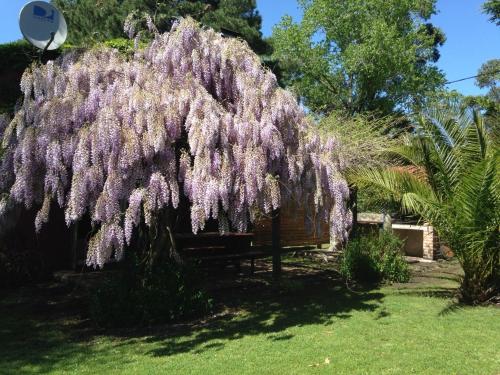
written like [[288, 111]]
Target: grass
[[310, 324]]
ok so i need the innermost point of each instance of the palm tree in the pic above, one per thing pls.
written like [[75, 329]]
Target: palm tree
[[446, 172]]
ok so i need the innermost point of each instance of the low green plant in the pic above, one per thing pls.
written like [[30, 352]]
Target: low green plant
[[21, 267], [374, 258], [136, 296]]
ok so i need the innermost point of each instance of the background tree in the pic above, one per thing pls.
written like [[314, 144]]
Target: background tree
[[360, 55], [100, 20], [362, 139], [488, 77], [492, 8], [15, 57]]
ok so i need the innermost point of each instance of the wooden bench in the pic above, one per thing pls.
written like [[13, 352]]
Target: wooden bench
[[213, 246]]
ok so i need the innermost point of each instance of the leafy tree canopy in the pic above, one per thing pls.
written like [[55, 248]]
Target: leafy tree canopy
[[360, 55], [492, 8], [14, 58], [99, 20], [488, 76]]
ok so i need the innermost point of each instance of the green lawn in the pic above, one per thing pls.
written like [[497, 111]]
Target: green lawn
[[311, 324]]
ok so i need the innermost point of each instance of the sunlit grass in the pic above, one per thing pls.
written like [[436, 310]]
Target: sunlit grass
[[309, 325]]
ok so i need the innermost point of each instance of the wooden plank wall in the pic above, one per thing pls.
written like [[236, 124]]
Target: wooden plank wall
[[293, 229]]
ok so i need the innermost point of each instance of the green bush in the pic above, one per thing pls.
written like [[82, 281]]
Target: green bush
[[374, 258], [124, 46], [15, 57], [21, 267], [132, 296]]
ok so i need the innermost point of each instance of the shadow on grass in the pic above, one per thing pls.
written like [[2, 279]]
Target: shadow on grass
[[35, 322], [453, 277], [42, 327], [451, 308], [272, 312], [441, 292]]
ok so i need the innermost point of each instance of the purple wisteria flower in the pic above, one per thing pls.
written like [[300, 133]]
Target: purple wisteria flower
[[193, 113]]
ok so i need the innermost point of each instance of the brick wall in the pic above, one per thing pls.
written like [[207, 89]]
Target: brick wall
[[294, 231]]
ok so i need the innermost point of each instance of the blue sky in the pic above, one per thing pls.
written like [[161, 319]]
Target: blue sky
[[471, 38]]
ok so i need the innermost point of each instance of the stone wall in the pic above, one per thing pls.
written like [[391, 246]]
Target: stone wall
[[420, 240]]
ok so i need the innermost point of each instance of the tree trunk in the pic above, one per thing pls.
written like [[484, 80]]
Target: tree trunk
[[74, 246], [353, 206], [276, 244]]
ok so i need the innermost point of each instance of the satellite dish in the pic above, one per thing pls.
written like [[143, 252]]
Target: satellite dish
[[43, 25]]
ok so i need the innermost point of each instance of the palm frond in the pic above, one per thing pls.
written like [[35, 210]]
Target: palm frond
[[476, 142], [477, 193], [447, 173], [399, 184]]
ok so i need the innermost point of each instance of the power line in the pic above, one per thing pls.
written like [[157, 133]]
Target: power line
[[478, 75]]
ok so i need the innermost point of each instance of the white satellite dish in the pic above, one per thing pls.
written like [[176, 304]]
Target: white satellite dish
[[43, 25]]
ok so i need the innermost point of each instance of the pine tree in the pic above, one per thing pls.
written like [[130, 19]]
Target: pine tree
[[91, 21]]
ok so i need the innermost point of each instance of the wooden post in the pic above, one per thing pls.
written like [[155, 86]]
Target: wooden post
[[353, 206], [74, 246], [276, 245]]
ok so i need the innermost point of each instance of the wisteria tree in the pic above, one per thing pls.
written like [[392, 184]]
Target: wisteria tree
[[194, 114]]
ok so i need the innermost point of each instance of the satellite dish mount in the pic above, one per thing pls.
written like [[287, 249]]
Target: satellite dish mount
[[52, 35], [43, 25]]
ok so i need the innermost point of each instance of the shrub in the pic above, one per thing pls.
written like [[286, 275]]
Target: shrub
[[124, 46], [21, 266], [132, 296], [15, 57], [374, 258], [357, 263]]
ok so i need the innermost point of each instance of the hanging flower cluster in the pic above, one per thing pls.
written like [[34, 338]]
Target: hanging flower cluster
[[194, 113]]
